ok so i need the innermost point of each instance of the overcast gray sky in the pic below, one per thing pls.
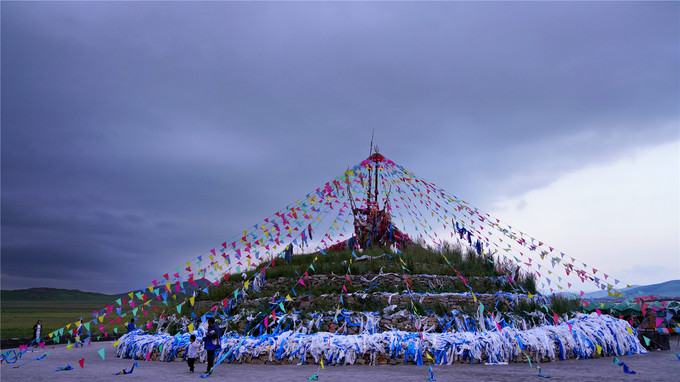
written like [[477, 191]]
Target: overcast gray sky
[[136, 136]]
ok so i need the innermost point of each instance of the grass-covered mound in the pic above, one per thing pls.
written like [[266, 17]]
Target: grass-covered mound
[[419, 280]]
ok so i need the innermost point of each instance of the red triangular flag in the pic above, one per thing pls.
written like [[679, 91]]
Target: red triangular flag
[[82, 363]]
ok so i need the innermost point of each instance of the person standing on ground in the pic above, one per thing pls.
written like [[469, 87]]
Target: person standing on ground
[[212, 342], [192, 352], [37, 328], [79, 334], [131, 325]]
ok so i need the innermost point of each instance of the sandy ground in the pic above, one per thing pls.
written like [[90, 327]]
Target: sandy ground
[[655, 366]]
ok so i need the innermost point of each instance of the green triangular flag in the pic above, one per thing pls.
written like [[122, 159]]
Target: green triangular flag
[[101, 352], [179, 308], [646, 340]]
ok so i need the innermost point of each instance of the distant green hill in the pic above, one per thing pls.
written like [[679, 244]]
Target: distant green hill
[[666, 289], [52, 294]]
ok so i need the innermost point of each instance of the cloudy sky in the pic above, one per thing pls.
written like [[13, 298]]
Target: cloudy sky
[[136, 136]]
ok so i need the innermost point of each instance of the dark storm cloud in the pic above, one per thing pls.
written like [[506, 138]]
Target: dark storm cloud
[[145, 133]]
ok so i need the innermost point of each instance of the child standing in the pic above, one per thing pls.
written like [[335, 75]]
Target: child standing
[[192, 352]]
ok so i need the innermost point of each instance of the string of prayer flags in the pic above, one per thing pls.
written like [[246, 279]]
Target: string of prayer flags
[[432, 378], [647, 340], [626, 369], [540, 373], [411, 198], [34, 359], [64, 368], [124, 372]]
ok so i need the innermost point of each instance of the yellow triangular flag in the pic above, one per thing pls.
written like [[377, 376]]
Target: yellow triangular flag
[[322, 364], [191, 327], [288, 298]]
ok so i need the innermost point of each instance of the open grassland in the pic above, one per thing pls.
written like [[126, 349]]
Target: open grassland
[[18, 317], [57, 308], [20, 309]]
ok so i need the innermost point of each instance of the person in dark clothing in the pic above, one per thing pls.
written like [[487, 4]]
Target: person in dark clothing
[[37, 328], [212, 342], [131, 325], [80, 333]]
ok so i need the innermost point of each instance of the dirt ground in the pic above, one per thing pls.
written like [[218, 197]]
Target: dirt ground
[[655, 366]]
